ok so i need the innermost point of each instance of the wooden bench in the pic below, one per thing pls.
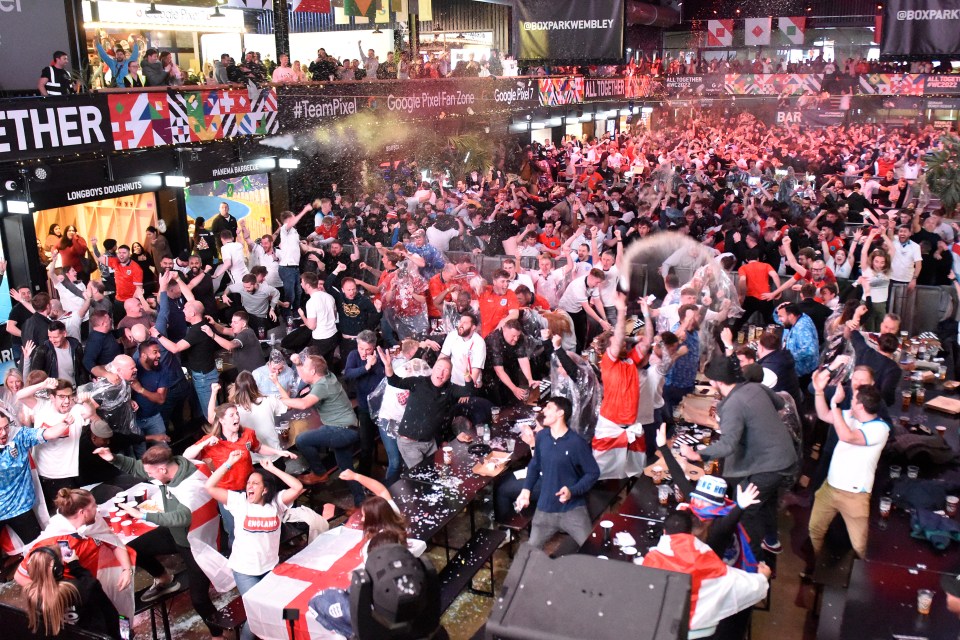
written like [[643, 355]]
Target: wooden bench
[[162, 604], [459, 572], [233, 616]]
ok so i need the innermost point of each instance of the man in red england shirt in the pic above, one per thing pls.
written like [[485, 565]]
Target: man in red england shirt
[[497, 304], [550, 239], [753, 285], [127, 274], [443, 287], [618, 442]]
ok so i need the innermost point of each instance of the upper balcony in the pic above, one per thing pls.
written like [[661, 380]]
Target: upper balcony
[[117, 120]]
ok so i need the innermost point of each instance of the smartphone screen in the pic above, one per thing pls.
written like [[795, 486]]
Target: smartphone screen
[[66, 552], [124, 628]]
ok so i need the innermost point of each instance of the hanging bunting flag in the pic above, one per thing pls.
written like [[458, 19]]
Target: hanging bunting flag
[[793, 28], [310, 6], [383, 11], [423, 9], [756, 31], [339, 16], [360, 8], [719, 33], [399, 6]]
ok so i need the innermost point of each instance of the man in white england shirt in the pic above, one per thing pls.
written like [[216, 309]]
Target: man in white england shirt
[[58, 461]]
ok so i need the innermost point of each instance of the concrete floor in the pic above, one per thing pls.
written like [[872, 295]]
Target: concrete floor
[[785, 621]]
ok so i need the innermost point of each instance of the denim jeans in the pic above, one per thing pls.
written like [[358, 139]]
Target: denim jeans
[[244, 584], [152, 426], [291, 286], [228, 522], [342, 440], [394, 460], [202, 382]]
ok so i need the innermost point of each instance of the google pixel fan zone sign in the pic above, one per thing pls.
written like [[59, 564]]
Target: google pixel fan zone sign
[[569, 30]]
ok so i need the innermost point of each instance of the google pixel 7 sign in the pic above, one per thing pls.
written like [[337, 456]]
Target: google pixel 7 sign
[[569, 30]]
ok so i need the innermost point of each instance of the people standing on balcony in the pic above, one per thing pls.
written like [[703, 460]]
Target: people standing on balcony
[[388, 69], [55, 80], [153, 71], [220, 75], [324, 68], [118, 63], [284, 73], [370, 62]]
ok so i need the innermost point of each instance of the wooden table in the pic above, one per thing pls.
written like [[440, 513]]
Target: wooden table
[[646, 534], [889, 542], [140, 527], [643, 502], [881, 603], [432, 494]]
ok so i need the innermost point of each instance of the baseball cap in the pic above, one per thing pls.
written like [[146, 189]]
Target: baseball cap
[[101, 429], [332, 607]]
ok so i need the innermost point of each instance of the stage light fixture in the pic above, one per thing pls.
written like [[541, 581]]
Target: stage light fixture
[[179, 182], [289, 163]]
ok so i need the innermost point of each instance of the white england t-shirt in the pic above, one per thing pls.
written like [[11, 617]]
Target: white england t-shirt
[[853, 466], [256, 544], [58, 458]]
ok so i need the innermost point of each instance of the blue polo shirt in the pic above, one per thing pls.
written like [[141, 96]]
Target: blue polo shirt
[[16, 486]]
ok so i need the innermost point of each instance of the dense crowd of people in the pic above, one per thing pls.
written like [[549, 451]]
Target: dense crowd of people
[[385, 317]]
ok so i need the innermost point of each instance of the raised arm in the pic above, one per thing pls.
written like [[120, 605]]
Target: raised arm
[[865, 253], [294, 487], [620, 330], [791, 260], [373, 486]]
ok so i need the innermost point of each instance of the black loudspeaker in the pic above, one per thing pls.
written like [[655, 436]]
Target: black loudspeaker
[[579, 596]]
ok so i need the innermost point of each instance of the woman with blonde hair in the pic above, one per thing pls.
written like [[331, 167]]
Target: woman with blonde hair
[[58, 590]]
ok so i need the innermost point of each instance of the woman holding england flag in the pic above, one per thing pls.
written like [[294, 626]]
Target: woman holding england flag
[[257, 512]]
